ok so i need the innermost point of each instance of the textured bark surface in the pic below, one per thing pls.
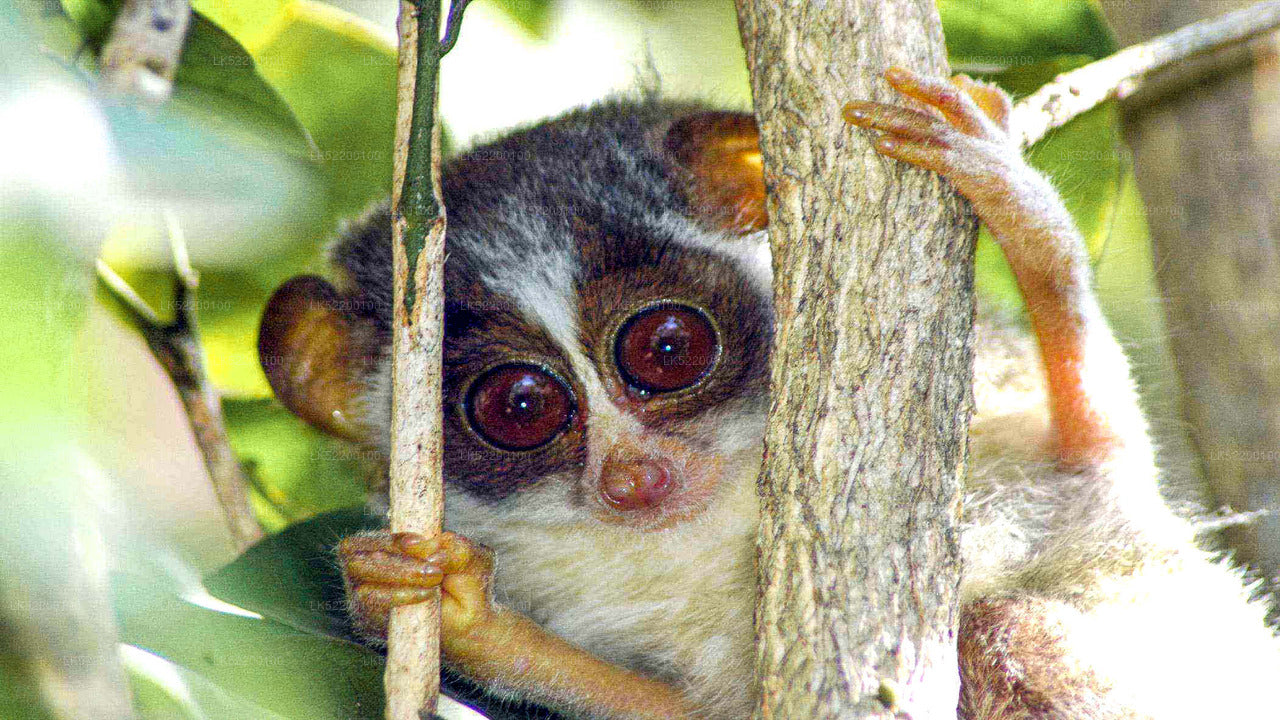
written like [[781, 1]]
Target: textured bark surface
[[867, 440], [1206, 141]]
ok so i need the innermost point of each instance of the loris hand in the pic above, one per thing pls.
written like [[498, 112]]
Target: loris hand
[[970, 145], [385, 570]]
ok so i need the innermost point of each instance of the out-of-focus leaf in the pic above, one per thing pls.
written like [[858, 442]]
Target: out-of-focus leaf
[[93, 18], [338, 74], [218, 86], [40, 592], [236, 667], [58, 643], [226, 153], [532, 15], [1006, 33], [232, 192], [301, 471]]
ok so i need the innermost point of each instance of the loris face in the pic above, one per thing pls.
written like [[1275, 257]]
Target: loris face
[[607, 327], [619, 375], [607, 331]]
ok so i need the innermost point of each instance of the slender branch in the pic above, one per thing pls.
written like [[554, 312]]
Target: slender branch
[[412, 677], [141, 56], [1078, 91], [453, 25], [139, 311], [176, 345]]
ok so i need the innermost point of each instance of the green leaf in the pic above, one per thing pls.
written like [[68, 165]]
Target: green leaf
[[234, 667], [292, 576], [217, 85], [1006, 33], [534, 16]]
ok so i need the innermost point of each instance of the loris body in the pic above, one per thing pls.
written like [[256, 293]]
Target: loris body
[[608, 326]]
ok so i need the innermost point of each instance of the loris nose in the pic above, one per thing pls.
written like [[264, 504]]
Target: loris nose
[[630, 481]]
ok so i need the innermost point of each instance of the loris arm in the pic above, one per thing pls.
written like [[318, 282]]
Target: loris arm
[[1093, 408], [489, 644]]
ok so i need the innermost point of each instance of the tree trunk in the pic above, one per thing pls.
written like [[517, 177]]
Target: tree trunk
[[1205, 139], [868, 432]]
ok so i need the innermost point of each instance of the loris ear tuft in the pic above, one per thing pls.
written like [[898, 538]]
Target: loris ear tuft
[[721, 153], [316, 355]]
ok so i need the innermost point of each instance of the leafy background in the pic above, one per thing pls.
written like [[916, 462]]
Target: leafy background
[[280, 127]]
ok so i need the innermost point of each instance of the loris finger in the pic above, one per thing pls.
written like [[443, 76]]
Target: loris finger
[[450, 552], [956, 106], [992, 100], [921, 154], [387, 569], [904, 123]]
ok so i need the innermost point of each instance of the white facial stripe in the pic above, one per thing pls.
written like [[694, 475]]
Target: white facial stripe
[[545, 293], [749, 252]]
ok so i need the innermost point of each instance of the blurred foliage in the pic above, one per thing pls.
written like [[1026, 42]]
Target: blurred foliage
[[280, 126], [1005, 34], [299, 471], [212, 659], [534, 16]]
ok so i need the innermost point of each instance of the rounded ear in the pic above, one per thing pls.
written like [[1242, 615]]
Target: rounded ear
[[721, 153], [316, 356]]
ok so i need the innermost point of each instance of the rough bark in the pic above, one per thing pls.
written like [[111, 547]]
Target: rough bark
[[417, 498], [1206, 140], [868, 432]]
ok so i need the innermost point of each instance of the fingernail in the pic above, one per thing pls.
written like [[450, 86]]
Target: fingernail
[[411, 543], [886, 143], [896, 74], [853, 112]]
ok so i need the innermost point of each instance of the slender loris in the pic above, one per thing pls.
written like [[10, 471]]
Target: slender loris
[[607, 336]]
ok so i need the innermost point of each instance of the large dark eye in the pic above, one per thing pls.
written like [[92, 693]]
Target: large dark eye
[[519, 407], [666, 348]]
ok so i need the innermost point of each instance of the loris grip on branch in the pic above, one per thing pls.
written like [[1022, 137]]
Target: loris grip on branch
[[607, 332]]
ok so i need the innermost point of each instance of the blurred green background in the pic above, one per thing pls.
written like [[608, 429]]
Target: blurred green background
[[113, 553]]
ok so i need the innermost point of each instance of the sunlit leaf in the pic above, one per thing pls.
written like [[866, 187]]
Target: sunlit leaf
[[338, 74], [1005, 33], [532, 15], [300, 471]]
